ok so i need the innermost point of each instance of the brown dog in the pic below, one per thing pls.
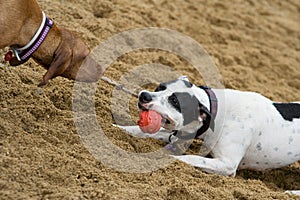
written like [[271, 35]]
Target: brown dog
[[61, 53]]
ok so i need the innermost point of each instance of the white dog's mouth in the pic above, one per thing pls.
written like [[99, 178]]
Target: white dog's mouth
[[167, 122]]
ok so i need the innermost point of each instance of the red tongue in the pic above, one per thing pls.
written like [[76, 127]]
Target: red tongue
[[150, 121], [8, 56]]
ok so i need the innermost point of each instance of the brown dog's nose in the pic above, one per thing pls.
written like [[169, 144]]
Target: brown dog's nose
[[145, 97]]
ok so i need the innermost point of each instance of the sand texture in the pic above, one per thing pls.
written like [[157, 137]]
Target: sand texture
[[254, 44]]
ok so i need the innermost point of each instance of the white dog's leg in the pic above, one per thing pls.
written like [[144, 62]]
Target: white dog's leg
[[295, 192], [227, 153], [135, 131], [211, 165]]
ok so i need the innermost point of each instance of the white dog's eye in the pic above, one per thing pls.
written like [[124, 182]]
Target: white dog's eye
[[173, 100]]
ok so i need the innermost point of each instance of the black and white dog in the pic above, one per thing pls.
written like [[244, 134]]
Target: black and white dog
[[244, 130]]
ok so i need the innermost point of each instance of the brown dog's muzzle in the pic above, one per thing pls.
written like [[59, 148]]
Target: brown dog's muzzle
[[88, 71]]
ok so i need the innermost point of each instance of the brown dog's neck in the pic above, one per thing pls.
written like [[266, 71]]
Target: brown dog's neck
[[45, 53], [30, 24]]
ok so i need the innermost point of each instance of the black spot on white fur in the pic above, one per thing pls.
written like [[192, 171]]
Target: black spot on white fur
[[288, 111], [188, 84], [161, 87], [291, 139], [258, 146]]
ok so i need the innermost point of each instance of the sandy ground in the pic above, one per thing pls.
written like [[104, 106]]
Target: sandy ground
[[255, 45]]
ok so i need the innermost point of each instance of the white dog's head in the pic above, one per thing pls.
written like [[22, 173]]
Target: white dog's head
[[182, 105]]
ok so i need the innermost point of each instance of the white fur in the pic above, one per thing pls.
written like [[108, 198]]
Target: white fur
[[251, 132]]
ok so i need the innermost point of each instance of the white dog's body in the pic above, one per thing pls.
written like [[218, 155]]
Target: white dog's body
[[254, 136], [250, 132]]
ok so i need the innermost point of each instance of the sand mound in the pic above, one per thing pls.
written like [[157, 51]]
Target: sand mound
[[255, 45]]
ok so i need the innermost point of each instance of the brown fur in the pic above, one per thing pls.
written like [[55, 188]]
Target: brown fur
[[62, 53]]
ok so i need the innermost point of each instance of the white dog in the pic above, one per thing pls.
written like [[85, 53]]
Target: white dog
[[244, 130]]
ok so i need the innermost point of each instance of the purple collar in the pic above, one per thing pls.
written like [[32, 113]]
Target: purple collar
[[23, 54]]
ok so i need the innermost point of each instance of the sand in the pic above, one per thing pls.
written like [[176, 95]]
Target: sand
[[254, 44]]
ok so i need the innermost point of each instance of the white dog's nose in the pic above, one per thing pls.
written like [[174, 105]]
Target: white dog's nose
[[145, 97]]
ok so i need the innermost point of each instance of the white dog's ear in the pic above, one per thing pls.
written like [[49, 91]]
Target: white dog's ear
[[184, 78]]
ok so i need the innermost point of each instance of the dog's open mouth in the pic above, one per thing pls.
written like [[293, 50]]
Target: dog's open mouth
[[167, 122]]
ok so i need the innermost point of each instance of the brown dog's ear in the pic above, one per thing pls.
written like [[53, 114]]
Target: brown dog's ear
[[89, 70]]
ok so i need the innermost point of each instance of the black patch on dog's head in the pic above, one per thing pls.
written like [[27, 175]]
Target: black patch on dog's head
[[163, 86], [186, 104], [188, 84]]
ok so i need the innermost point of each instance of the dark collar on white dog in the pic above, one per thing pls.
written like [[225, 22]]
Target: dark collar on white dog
[[209, 122]]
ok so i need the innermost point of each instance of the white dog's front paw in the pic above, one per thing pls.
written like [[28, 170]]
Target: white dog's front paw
[[132, 130], [193, 160], [135, 131], [295, 192]]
